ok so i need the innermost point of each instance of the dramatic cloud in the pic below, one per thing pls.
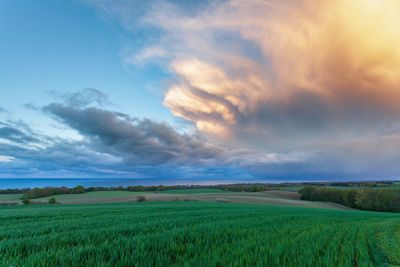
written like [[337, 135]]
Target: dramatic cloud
[[275, 89], [315, 79], [283, 68], [137, 141], [116, 144]]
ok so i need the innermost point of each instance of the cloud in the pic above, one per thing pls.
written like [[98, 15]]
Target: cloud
[[139, 141], [148, 53], [3, 110], [11, 131], [316, 81], [6, 159], [31, 107], [281, 89], [283, 68], [82, 98], [119, 145], [114, 144]]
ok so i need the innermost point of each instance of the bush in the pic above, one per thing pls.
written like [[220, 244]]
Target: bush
[[52, 200], [26, 201], [140, 198]]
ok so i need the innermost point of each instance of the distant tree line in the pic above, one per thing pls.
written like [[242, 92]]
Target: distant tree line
[[385, 199], [362, 184], [32, 193], [246, 187], [51, 191]]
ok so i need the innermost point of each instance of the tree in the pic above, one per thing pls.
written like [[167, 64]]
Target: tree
[[52, 200], [78, 190], [349, 198], [26, 201], [306, 192]]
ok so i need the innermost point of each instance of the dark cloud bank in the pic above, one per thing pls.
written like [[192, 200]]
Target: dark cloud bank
[[114, 144]]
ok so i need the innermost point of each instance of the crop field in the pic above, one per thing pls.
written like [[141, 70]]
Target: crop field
[[10, 197], [193, 191], [195, 234], [93, 197], [262, 198]]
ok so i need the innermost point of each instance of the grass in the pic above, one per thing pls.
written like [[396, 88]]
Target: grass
[[193, 191], [10, 197], [290, 188], [93, 197], [195, 234], [262, 198]]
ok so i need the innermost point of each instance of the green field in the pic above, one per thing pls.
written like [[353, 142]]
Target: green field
[[195, 234], [93, 197], [10, 197], [193, 191], [262, 198]]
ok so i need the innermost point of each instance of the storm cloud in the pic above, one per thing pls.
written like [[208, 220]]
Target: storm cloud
[[112, 143], [139, 141], [267, 89], [317, 80], [282, 69]]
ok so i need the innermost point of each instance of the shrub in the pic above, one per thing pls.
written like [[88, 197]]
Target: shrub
[[26, 201], [52, 200], [140, 198]]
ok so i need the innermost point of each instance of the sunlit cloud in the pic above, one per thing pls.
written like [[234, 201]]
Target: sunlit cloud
[[313, 85], [257, 88], [331, 63]]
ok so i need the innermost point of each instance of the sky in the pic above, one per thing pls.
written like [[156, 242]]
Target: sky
[[244, 89]]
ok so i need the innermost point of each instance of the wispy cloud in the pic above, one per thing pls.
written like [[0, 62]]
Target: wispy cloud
[[4, 111], [6, 159]]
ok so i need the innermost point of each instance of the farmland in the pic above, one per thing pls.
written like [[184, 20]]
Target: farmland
[[208, 195], [195, 234], [10, 197]]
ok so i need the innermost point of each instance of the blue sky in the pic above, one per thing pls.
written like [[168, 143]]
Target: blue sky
[[199, 89], [66, 46]]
